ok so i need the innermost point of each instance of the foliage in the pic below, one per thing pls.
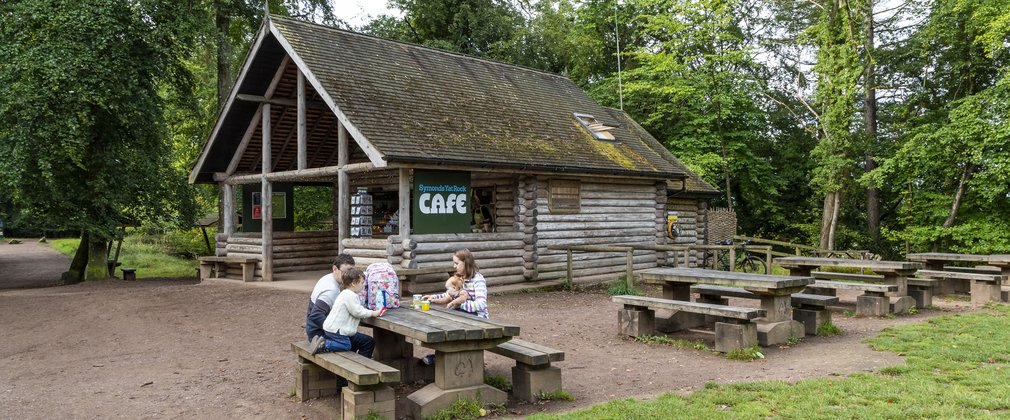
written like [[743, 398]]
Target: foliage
[[314, 205], [622, 287], [559, 395], [465, 409], [828, 329], [954, 364], [497, 381], [746, 354], [151, 259], [662, 339]]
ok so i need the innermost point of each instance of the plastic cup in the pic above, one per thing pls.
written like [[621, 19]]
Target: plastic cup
[[425, 305], [417, 302]]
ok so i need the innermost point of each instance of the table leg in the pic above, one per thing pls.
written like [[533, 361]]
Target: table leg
[[394, 350], [778, 325], [458, 375], [668, 321], [900, 301]]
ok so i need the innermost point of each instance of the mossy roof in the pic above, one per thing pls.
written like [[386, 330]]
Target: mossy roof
[[418, 104]]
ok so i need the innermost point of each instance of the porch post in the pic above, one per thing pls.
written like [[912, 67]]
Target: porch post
[[404, 203], [343, 186], [302, 138], [266, 198], [228, 204]]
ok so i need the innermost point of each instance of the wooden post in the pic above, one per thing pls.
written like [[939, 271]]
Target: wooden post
[[570, 279], [687, 257], [405, 205], [768, 260], [302, 137], [732, 258], [266, 198], [228, 203], [631, 268], [343, 187]]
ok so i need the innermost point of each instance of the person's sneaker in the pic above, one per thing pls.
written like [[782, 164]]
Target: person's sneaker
[[428, 360], [317, 344]]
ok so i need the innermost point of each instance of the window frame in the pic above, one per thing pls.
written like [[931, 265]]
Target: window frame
[[552, 198]]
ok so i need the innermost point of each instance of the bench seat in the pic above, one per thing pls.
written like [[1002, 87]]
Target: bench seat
[[215, 264], [810, 310], [977, 276], [985, 286], [866, 287], [981, 269], [533, 374], [831, 275], [367, 387], [638, 319]]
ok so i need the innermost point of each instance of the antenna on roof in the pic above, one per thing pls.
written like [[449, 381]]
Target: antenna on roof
[[617, 36]]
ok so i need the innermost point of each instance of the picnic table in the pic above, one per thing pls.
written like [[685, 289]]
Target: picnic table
[[459, 341], [773, 291], [937, 261], [895, 273]]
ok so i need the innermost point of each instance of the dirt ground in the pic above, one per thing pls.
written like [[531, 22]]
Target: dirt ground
[[178, 348]]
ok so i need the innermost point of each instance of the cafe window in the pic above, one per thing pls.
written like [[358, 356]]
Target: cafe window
[[483, 204], [565, 196]]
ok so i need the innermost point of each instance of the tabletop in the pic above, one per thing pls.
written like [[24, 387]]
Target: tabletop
[[874, 265], [747, 281], [945, 256], [440, 325]]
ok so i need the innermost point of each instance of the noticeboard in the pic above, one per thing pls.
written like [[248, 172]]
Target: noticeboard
[[441, 202]]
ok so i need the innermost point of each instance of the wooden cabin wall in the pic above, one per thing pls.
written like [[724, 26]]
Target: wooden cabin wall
[[293, 251], [499, 256], [618, 211], [690, 216], [504, 198]]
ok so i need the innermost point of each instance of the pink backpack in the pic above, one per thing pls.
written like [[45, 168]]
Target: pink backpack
[[382, 287]]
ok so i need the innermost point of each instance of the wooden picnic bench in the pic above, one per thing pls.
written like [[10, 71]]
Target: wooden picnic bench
[[533, 374], [938, 261], [984, 287], [218, 265], [920, 289], [811, 310], [776, 327], [870, 302], [638, 319], [367, 389]]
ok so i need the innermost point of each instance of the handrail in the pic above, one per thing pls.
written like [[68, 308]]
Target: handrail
[[599, 248]]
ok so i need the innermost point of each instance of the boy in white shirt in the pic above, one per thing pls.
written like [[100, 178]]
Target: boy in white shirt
[[323, 296], [341, 325]]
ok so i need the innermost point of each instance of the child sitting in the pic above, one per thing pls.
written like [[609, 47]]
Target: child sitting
[[341, 325], [454, 294]]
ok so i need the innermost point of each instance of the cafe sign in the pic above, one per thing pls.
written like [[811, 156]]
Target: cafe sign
[[441, 202]]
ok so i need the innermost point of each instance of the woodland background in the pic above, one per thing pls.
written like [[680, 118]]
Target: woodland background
[[877, 125]]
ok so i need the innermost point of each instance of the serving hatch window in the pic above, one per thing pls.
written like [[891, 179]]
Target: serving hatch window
[[565, 196]]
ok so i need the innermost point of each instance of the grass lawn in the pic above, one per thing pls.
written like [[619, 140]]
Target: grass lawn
[[150, 260], [957, 367]]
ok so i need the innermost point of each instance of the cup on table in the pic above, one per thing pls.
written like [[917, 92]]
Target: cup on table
[[425, 305]]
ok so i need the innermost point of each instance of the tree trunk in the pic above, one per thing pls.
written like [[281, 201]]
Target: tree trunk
[[76, 272], [829, 219], [223, 23], [870, 120], [962, 187], [98, 255]]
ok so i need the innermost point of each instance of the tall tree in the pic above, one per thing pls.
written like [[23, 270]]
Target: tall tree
[[82, 132]]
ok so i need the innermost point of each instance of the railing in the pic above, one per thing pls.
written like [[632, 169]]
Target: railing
[[799, 250]]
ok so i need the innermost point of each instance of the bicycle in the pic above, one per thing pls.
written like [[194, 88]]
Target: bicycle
[[745, 261]]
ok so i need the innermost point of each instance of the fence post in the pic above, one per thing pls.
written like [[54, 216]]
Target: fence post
[[570, 276], [631, 268], [732, 258], [768, 260]]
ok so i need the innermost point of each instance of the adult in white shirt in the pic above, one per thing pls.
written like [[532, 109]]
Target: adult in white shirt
[[323, 296]]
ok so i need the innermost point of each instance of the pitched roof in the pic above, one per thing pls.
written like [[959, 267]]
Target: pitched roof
[[414, 104]]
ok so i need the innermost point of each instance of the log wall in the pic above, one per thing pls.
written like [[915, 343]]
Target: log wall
[[690, 217], [499, 256], [612, 212], [293, 251]]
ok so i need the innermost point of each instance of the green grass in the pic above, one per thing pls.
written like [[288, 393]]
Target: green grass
[[621, 287], [465, 409], [662, 339], [957, 366], [150, 259], [746, 354], [827, 329], [559, 395]]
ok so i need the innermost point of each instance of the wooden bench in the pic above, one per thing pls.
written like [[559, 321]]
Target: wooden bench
[[219, 264], [922, 290], [638, 318], [984, 287], [873, 301], [533, 374], [367, 387], [811, 310]]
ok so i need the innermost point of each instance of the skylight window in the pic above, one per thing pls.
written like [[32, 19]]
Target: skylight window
[[599, 130]]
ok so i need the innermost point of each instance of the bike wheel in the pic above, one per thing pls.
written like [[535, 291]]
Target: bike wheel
[[754, 265], [722, 263]]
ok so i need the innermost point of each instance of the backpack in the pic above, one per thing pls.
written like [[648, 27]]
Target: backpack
[[382, 287]]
